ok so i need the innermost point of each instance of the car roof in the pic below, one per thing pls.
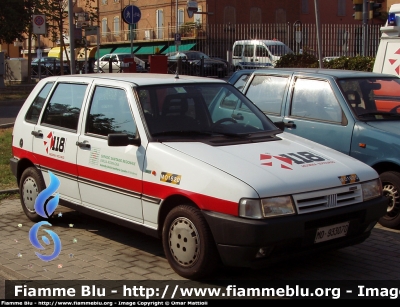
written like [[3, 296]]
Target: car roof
[[138, 79], [265, 41], [337, 73]]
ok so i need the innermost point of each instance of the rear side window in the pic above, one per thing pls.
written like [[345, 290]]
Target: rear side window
[[248, 50], [34, 110], [64, 106], [267, 92], [261, 51]]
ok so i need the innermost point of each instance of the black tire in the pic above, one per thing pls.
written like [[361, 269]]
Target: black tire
[[188, 243], [391, 189], [30, 185]]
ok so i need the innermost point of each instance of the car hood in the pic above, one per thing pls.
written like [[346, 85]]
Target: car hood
[[285, 166], [391, 126]]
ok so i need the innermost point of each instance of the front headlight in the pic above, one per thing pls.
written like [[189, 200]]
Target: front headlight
[[371, 189], [266, 207]]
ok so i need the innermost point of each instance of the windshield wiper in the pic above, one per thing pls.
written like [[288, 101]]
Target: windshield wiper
[[182, 132], [378, 113]]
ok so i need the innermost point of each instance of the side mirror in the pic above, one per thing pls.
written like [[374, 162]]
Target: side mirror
[[121, 139], [280, 125]]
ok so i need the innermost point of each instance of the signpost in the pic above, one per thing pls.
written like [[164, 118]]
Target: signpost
[[39, 27], [131, 14]]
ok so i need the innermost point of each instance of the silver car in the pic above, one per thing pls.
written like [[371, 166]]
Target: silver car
[[117, 60]]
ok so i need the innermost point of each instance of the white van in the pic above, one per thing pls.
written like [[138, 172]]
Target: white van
[[250, 54], [388, 56]]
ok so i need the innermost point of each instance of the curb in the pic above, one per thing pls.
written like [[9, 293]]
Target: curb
[[9, 191], [4, 126]]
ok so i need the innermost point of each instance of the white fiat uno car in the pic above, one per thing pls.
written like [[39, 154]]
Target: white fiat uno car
[[192, 161]]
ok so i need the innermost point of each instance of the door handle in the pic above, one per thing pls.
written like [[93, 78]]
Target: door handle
[[83, 144], [290, 125], [38, 133], [237, 116]]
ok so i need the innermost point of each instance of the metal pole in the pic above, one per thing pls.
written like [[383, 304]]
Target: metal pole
[[317, 24], [177, 26], [40, 59], [131, 34], [98, 49], [364, 28], [86, 48], [71, 35]]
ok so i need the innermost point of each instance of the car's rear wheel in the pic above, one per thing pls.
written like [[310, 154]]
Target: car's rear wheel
[[188, 243], [31, 184], [391, 189]]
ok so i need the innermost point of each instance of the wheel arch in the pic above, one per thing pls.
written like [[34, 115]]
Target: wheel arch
[[168, 204], [386, 167], [23, 164]]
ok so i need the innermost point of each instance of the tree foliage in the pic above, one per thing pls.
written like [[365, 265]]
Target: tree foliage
[[14, 20]]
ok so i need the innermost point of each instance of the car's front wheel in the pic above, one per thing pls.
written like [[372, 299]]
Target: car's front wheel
[[188, 243], [30, 185], [391, 189]]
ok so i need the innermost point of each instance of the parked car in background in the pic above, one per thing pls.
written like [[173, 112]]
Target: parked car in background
[[357, 113], [192, 64], [50, 66], [254, 54], [117, 60]]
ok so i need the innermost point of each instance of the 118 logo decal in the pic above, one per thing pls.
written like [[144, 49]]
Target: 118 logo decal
[[46, 210]]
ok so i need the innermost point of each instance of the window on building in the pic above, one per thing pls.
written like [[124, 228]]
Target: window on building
[[116, 26], [280, 16], [304, 7], [104, 26], [229, 15], [198, 17], [103, 2], [160, 23], [341, 7], [255, 15], [181, 17]]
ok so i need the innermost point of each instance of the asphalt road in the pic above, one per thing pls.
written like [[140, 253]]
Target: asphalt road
[[9, 111]]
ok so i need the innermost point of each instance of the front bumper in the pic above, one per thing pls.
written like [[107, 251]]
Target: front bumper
[[238, 239]]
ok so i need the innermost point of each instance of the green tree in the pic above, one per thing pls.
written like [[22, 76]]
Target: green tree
[[12, 11]]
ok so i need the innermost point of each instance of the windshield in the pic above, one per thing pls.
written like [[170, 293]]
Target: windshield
[[373, 98], [203, 110]]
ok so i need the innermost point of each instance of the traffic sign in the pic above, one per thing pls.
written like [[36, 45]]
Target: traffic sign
[[39, 24], [131, 14], [177, 39]]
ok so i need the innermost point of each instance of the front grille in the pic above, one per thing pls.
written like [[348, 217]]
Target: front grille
[[327, 199]]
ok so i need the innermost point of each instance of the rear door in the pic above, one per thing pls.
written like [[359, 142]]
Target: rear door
[[268, 91], [56, 134]]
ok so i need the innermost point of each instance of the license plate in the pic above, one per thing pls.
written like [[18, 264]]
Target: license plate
[[219, 69], [331, 232]]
